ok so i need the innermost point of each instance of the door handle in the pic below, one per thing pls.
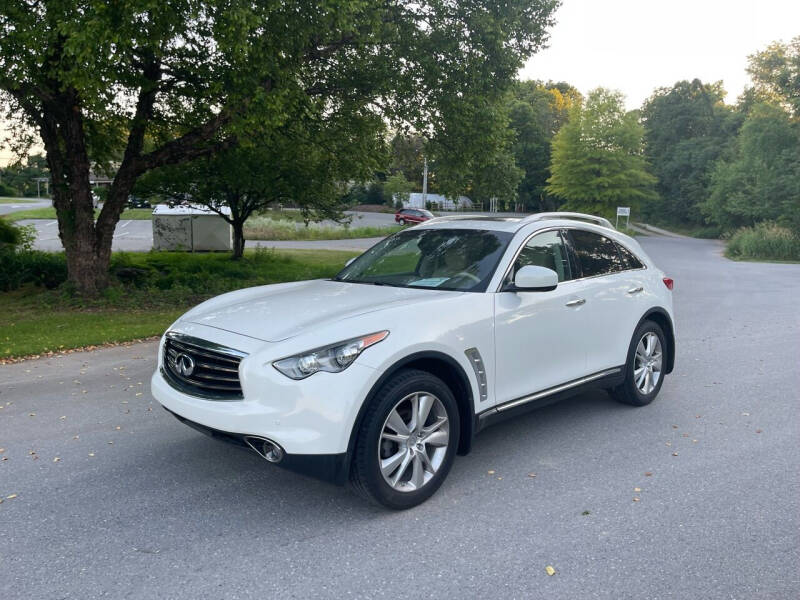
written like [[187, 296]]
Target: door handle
[[635, 290], [577, 302]]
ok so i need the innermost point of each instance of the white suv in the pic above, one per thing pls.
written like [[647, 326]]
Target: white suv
[[384, 373]]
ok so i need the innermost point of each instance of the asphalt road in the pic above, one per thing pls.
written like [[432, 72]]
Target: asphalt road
[[139, 506], [23, 204], [137, 236]]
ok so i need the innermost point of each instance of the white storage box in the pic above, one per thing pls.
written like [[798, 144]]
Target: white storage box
[[190, 228]]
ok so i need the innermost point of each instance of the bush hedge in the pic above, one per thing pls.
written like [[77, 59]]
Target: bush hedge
[[765, 241]]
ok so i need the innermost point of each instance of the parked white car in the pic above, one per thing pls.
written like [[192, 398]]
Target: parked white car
[[382, 374]]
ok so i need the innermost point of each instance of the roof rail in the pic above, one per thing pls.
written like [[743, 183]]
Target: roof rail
[[450, 218], [602, 222]]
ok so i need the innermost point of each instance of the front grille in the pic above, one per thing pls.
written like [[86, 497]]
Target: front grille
[[201, 368]]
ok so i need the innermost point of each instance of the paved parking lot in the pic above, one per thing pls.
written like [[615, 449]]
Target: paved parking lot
[[113, 498], [137, 236]]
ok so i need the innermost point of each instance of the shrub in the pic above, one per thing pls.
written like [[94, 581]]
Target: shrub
[[45, 269], [765, 241], [8, 191]]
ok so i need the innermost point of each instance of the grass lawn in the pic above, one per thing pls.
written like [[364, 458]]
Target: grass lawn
[[48, 212], [150, 290]]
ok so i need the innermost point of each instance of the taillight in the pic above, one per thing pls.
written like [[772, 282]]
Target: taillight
[[668, 282]]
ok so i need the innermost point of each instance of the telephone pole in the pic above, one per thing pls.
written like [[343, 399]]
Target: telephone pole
[[425, 185]]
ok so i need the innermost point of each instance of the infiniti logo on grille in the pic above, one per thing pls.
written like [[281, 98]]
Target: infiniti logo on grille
[[184, 364]]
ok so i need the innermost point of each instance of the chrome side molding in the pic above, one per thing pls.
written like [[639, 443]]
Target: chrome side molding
[[549, 392]]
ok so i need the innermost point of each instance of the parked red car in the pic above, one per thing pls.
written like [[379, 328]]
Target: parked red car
[[412, 215]]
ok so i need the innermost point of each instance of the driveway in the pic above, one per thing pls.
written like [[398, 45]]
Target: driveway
[[116, 499]]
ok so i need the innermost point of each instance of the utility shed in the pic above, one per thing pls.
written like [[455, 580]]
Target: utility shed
[[190, 228]]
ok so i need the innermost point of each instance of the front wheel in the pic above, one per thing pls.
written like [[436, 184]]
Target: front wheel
[[402, 221], [407, 440], [644, 371]]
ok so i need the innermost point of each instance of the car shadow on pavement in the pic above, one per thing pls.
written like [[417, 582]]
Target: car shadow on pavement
[[221, 476]]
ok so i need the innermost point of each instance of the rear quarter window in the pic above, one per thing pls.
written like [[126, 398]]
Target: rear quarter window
[[629, 260]]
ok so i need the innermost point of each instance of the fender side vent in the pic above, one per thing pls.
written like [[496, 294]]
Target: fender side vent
[[480, 372]]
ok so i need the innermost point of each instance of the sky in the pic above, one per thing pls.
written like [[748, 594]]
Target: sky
[[636, 46]]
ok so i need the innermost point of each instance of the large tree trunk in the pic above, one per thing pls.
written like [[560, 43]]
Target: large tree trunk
[[68, 160], [238, 239]]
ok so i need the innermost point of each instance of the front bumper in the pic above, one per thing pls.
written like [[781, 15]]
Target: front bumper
[[314, 416], [327, 467]]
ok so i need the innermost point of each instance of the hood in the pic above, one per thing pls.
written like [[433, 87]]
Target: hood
[[276, 312]]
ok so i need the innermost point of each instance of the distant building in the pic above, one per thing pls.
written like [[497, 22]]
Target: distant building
[[438, 202]]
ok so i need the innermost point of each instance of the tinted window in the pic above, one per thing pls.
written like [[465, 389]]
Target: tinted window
[[545, 250], [597, 255], [445, 259], [628, 259]]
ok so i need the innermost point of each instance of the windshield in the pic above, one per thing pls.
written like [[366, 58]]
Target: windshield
[[445, 259]]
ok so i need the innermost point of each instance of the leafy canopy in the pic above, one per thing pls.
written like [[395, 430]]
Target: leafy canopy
[[597, 160]]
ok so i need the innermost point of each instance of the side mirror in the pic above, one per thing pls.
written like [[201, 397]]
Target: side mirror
[[531, 278]]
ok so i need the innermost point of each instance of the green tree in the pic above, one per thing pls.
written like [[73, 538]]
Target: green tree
[[598, 160], [537, 111], [775, 72], [397, 189], [22, 175], [687, 128], [143, 85], [472, 154], [408, 158], [292, 164], [761, 182]]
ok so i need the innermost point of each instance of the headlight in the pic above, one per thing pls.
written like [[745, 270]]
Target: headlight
[[333, 359]]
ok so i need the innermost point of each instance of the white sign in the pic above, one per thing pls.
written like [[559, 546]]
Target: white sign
[[623, 211]]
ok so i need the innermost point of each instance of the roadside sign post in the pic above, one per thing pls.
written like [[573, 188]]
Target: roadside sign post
[[623, 211]]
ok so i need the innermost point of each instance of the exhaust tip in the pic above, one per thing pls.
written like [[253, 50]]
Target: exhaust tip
[[266, 449]]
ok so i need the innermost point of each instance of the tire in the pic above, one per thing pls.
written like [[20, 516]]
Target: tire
[[635, 390], [379, 442], [402, 221]]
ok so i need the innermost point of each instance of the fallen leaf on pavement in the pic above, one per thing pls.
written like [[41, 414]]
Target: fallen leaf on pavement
[[758, 431], [56, 459], [637, 489], [491, 472], [11, 497], [531, 474], [648, 474], [635, 499], [674, 454], [549, 570]]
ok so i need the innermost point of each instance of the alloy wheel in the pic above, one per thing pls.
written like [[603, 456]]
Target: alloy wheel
[[413, 441], [648, 363]]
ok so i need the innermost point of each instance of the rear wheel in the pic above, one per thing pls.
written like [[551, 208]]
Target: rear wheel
[[644, 371], [407, 441]]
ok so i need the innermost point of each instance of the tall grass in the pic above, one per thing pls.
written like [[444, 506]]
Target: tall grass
[[765, 241], [266, 228]]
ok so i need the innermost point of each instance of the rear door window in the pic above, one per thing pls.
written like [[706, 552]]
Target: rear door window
[[595, 254]]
